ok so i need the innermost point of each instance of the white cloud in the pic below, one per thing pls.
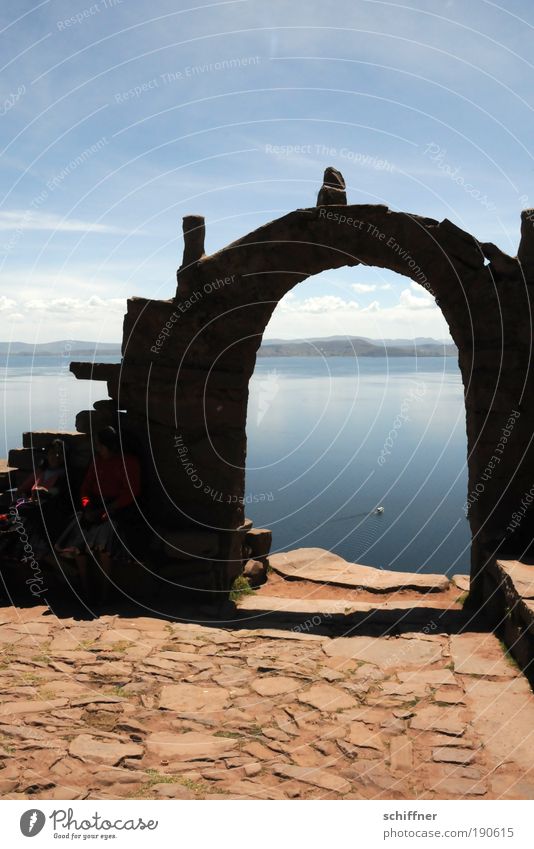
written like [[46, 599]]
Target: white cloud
[[363, 287], [374, 306], [67, 308], [29, 219], [75, 306], [417, 302], [317, 305], [92, 317], [413, 315], [96, 302], [6, 303]]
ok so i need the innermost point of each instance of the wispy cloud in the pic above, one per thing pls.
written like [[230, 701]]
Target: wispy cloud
[[317, 305], [363, 288], [23, 220], [76, 307]]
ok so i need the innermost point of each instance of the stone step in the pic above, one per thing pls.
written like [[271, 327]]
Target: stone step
[[343, 616], [26, 459], [332, 607], [324, 567], [41, 438]]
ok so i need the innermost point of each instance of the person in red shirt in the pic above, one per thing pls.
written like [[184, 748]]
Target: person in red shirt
[[108, 495]]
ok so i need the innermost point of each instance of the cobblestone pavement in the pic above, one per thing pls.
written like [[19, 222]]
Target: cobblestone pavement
[[266, 706]]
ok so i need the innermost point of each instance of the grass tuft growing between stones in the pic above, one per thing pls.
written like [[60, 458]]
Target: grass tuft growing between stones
[[509, 657], [116, 690], [240, 588], [121, 645], [154, 777]]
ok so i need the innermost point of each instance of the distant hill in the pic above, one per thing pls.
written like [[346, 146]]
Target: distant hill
[[333, 346], [63, 347], [357, 346]]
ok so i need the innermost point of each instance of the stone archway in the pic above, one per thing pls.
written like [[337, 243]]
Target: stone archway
[[183, 381]]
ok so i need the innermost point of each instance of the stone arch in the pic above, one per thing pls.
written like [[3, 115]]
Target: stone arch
[[187, 362]]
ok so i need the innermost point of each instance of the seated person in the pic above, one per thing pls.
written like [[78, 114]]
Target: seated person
[[41, 502], [109, 490]]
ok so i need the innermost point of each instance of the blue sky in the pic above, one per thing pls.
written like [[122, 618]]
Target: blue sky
[[118, 118]]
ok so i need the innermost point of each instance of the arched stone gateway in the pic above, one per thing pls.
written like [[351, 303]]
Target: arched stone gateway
[[183, 380]]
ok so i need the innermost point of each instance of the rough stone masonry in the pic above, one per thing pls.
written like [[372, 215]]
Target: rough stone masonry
[[183, 381]]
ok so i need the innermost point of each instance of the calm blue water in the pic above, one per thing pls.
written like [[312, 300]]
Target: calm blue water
[[41, 394], [316, 432]]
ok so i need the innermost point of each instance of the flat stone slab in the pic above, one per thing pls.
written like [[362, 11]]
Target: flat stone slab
[[275, 685], [385, 653], [453, 755], [25, 706], [463, 582], [503, 714], [401, 754], [317, 777], [522, 576], [363, 736], [480, 654], [429, 677], [459, 787], [189, 746], [324, 697], [110, 752], [323, 567], [443, 720], [193, 697], [333, 607]]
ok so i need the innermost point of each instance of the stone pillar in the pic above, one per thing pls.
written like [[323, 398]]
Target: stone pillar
[[525, 253], [194, 230]]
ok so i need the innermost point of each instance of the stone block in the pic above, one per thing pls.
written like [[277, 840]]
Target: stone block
[[259, 541], [255, 572], [94, 371], [39, 439], [91, 421], [106, 405], [26, 459]]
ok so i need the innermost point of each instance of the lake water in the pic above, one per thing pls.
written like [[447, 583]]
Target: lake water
[[319, 430], [329, 440]]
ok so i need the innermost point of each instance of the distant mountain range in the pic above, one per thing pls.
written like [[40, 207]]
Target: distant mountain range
[[331, 346], [63, 347], [358, 346]]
